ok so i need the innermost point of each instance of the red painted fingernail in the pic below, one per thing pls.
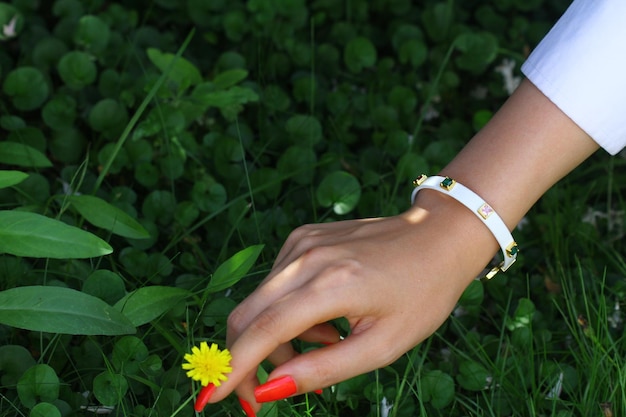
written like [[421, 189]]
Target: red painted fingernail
[[327, 343], [203, 397], [247, 408], [318, 391], [276, 389]]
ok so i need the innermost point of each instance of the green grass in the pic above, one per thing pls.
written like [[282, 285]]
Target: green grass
[[544, 339]]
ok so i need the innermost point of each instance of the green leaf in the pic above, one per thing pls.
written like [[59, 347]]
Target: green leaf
[[304, 129], [9, 178], [473, 376], [27, 88], [77, 70], [359, 53], [230, 101], [106, 285], [148, 303], [109, 388], [234, 269], [128, 354], [37, 236], [45, 410], [182, 72], [39, 383], [229, 78], [105, 215], [92, 33], [473, 294], [108, 115], [14, 361], [60, 310], [341, 190], [60, 112], [14, 153], [438, 388], [478, 50]]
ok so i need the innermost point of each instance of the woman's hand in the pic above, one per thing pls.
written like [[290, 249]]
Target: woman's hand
[[394, 279]]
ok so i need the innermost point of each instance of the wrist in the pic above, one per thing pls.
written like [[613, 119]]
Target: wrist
[[461, 237]]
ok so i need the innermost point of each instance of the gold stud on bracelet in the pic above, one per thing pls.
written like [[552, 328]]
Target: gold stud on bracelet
[[512, 250], [419, 180]]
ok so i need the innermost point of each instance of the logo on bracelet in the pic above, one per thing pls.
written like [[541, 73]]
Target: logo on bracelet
[[485, 211]]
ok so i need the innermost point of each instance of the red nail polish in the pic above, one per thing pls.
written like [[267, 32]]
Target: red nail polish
[[203, 397], [318, 391], [276, 389], [247, 408]]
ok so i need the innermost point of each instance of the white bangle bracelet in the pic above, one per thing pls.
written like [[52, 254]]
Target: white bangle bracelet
[[480, 208]]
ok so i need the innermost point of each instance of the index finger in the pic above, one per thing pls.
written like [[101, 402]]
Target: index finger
[[277, 324]]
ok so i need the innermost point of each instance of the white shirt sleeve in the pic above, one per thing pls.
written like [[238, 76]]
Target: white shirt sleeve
[[581, 67]]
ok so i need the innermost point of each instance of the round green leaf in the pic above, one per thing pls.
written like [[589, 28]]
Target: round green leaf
[[186, 213], [48, 51], [119, 156], [298, 163], [128, 353], [340, 190], [304, 129], [68, 145], [478, 50], [109, 388], [159, 206], [60, 310], [473, 294], [108, 115], [437, 388], [473, 376], [106, 285], [92, 33], [14, 361], [77, 70], [208, 196], [27, 88], [45, 410], [39, 383], [60, 112], [11, 122], [413, 52], [359, 53], [146, 174]]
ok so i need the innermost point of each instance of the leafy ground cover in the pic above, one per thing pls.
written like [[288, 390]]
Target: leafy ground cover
[[155, 154]]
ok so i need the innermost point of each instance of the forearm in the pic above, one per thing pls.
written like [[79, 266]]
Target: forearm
[[525, 149]]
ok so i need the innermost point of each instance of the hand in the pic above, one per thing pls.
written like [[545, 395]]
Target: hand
[[394, 279]]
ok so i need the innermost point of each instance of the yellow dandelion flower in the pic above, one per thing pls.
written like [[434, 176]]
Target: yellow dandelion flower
[[208, 364]]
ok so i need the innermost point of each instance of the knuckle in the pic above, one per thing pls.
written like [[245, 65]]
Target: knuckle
[[237, 321], [267, 324]]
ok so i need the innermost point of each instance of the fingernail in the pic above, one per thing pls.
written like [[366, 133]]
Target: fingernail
[[203, 397], [247, 408], [276, 389], [318, 391]]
